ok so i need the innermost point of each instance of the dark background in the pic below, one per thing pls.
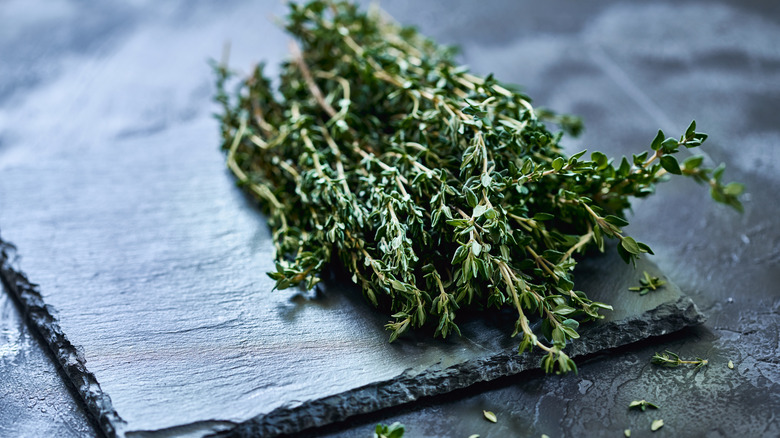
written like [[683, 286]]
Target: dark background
[[628, 68]]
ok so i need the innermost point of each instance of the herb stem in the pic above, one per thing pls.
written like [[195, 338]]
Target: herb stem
[[313, 88]]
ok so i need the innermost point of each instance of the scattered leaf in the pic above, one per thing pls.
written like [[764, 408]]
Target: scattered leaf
[[395, 430], [490, 416], [647, 284], [641, 404], [672, 360], [657, 424]]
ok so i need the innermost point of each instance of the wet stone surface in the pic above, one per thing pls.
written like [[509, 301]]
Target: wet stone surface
[[113, 190], [35, 399]]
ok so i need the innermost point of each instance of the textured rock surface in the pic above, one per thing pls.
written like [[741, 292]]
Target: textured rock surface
[[334, 377], [85, 91], [35, 399]]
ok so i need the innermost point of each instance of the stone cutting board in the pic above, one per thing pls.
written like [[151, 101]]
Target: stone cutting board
[[143, 266], [153, 295]]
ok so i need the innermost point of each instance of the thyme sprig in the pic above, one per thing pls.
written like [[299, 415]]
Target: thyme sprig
[[672, 360], [437, 189], [647, 284], [395, 430]]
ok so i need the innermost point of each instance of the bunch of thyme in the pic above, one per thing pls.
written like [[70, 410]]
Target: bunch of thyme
[[437, 189]]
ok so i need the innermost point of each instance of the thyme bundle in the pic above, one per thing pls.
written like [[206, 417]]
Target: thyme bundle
[[437, 189]]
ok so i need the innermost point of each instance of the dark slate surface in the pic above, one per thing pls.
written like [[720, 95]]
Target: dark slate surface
[[296, 363], [97, 85], [153, 263]]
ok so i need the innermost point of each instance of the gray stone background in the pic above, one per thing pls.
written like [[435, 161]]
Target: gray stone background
[[72, 71]]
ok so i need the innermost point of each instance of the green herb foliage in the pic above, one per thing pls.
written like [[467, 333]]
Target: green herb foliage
[[395, 430], [672, 360], [647, 284], [437, 189], [642, 404]]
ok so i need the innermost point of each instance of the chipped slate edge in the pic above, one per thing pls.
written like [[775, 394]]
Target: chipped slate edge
[[42, 320], [407, 387]]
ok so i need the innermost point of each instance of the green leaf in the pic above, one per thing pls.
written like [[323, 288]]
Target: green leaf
[[691, 130], [543, 217], [528, 166], [669, 163], [458, 223], [669, 145], [486, 180], [599, 238], [659, 138], [570, 332], [572, 323], [734, 189], [617, 221], [600, 159], [577, 156], [471, 197], [564, 310], [476, 248], [630, 245], [625, 167], [565, 284], [460, 255], [490, 416], [396, 430], [557, 164], [558, 337], [644, 248], [718, 172], [642, 404], [397, 285], [694, 162], [657, 424]]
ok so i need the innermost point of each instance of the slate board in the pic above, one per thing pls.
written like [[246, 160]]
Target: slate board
[[151, 264], [164, 319]]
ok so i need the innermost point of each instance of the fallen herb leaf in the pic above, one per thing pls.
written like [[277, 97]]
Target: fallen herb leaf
[[627, 433], [657, 424], [672, 360], [395, 430], [641, 404], [490, 416], [731, 365], [648, 283]]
